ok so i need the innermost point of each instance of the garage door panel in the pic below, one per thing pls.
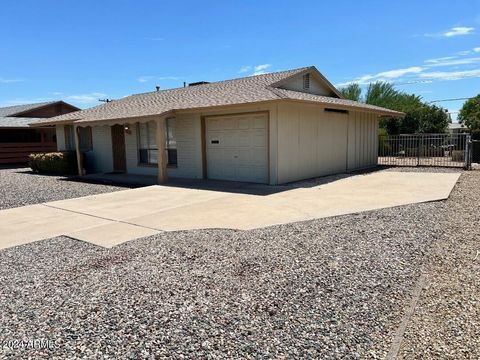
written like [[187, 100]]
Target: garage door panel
[[260, 139], [228, 124], [242, 151], [259, 122], [244, 139], [244, 123]]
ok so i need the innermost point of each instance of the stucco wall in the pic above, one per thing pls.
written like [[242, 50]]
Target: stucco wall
[[102, 149]]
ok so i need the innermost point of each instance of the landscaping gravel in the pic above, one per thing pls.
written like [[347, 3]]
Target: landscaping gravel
[[329, 288], [446, 322], [19, 187]]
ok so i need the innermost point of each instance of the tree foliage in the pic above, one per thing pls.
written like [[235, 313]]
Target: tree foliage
[[351, 92], [469, 114], [420, 117]]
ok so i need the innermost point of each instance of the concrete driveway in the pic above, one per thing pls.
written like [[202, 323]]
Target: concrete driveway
[[113, 218]]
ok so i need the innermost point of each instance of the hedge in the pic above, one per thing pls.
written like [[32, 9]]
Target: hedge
[[64, 163]]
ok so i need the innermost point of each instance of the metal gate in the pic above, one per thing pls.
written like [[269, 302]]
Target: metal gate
[[447, 150], [475, 153]]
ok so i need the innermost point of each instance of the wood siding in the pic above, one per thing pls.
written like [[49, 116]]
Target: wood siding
[[16, 153], [313, 142]]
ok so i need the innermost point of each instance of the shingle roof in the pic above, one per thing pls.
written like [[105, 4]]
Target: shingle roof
[[332, 101], [252, 89], [8, 119]]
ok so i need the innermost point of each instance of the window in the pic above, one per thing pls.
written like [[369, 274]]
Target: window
[[49, 135], [306, 81], [69, 138], [147, 144], [85, 134], [148, 150], [171, 145]]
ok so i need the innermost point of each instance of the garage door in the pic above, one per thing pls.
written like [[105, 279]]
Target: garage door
[[237, 147]]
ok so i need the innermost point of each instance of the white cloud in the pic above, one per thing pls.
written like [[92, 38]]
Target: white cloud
[[450, 75], [86, 98], [477, 49], [9, 81], [385, 75], [458, 31], [261, 69], [393, 74], [440, 59], [256, 69], [245, 69], [454, 31], [454, 61]]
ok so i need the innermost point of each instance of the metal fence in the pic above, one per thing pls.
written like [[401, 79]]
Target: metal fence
[[475, 152], [448, 150]]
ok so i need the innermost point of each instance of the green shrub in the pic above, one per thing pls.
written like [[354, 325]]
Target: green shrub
[[64, 163]]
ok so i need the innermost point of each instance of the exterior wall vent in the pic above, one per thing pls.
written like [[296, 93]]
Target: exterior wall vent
[[306, 81], [340, 111]]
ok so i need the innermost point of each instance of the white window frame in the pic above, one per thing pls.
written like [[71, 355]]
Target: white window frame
[[151, 149], [171, 142]]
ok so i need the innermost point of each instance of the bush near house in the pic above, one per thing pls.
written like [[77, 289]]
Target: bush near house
[[64, 163]]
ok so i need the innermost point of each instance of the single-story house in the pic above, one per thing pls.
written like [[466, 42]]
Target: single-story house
[[18, 139], [456, 128], [272, 128]]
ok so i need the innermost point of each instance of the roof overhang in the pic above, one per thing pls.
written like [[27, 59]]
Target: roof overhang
[[146, 118]]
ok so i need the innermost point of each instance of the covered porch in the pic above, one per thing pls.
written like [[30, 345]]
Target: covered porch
[[130, 151]]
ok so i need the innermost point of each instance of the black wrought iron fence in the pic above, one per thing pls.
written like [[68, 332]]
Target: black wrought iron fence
[[448, 150], [475, 152]]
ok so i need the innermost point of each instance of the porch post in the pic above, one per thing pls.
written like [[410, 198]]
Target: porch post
[[77, 150], [162, 156]]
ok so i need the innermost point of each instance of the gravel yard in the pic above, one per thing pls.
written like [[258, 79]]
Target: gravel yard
[[19, 187], [330, 288]]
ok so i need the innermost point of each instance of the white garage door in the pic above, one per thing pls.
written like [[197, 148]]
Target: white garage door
[[237, 147]]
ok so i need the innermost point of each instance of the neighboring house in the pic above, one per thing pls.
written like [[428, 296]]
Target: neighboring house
[[273, 128], [456, 128], [18, 139]]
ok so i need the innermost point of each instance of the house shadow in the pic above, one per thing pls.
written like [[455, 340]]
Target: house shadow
[[130, 181]]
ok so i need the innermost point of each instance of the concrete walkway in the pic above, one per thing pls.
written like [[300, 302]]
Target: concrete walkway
[[113, 218]]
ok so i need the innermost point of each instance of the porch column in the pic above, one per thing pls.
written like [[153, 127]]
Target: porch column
[[162, 156], [77, 150]]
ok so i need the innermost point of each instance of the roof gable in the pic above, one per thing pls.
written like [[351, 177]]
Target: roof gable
[[22, 115], [316, 83]]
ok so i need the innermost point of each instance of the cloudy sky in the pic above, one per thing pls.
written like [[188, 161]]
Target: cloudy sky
[[82, 51]]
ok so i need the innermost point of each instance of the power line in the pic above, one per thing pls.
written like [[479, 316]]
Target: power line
[[455, 99]]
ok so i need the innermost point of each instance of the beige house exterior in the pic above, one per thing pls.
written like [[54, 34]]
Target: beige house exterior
[[272, 129]]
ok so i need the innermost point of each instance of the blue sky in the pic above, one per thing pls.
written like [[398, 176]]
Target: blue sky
[[80, 51]]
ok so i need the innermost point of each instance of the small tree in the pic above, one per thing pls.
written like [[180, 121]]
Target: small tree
[[469, 114]]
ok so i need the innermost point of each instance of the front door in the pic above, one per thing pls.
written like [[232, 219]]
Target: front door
[[118, 149]]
